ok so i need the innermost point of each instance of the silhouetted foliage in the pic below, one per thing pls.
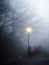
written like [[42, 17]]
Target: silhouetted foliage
[[38, 50]]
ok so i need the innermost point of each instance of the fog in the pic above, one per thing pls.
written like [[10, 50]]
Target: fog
[[20, 14]]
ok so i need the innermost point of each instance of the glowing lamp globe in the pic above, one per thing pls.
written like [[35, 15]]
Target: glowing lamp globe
[[28, 29]]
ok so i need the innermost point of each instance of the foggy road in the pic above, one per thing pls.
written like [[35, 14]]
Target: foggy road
[[36, 60], [26, 60]]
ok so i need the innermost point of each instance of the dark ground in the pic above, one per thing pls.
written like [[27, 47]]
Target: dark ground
[[28, 60]]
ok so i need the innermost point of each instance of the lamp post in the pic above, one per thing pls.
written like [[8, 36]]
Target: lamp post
[[28, 30]]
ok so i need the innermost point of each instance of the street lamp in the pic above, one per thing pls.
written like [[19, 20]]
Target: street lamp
[[28, 30]]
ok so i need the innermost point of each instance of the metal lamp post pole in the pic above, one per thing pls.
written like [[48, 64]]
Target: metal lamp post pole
[[28, 43]]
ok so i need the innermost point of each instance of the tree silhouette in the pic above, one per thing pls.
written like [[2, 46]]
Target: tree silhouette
[[6, 17]]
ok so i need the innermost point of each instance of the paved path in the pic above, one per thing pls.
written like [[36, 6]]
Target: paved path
[[38, 60], [26, 60]]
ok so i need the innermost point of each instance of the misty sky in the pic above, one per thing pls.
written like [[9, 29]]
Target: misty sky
[[32, 13]]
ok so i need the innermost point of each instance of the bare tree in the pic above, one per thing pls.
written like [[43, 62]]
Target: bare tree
[[6, 17]]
